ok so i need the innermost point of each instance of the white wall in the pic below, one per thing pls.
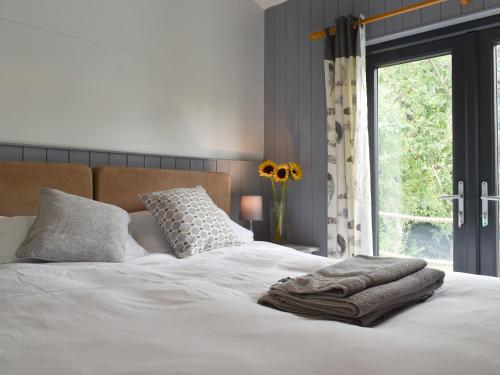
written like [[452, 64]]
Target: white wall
[[178, 77]]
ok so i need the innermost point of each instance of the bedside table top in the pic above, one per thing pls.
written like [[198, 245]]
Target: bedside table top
[[302, 248]]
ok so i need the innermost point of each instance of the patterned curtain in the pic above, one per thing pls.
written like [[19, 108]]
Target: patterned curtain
[[349, 189]]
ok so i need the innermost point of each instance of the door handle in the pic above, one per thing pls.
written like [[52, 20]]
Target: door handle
[[484, 202], [460, 198]]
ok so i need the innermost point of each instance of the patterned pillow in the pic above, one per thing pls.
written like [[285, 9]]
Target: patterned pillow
[[191, 221]]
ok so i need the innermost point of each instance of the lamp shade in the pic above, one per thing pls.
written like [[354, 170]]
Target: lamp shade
[[251, 207]]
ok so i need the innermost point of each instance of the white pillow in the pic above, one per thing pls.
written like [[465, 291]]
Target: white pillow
[[244, 235], [147, 232], [146, 236], [133, 249], [13, 231]]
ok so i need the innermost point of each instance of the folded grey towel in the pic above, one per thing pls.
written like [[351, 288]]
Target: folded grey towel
[[365, 308], [367, 320], [355, 274]]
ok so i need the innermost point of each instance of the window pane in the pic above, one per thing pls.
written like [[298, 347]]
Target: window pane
[[415, 160]]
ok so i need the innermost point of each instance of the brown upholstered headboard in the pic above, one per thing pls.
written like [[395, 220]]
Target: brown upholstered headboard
[[121, 185], [20, 184]]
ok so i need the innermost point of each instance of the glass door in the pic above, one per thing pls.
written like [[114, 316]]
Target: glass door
[[415, 160], [420, 146], [489, 163]]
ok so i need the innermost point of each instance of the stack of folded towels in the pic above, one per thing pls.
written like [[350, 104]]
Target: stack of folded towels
[[362, 290]]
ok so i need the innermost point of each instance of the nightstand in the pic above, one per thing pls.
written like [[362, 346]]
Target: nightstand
[[303, 248]]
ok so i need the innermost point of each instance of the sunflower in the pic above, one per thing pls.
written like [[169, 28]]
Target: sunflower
[[267, 168], [281, 173], [295, 171]]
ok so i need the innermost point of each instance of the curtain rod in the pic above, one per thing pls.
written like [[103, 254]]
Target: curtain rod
[[315, 35]]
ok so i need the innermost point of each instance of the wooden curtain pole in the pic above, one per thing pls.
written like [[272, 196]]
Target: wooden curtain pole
[[315, 35]]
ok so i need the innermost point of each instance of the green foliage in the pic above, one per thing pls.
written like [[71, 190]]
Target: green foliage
[[415, 153]]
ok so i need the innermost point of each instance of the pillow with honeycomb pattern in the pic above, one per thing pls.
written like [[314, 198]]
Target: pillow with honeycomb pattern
[[191, 221]]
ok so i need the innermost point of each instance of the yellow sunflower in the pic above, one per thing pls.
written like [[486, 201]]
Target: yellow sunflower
[[267, 168], [295, 171], [281, 173]]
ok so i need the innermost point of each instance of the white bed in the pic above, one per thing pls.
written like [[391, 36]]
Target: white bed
[[161, 315]]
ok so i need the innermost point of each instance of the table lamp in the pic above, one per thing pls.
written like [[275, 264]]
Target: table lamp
[[251, 208]]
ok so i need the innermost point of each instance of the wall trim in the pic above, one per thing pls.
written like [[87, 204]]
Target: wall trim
[[435, 26]]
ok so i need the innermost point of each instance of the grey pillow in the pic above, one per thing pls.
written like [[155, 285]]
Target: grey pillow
[[70, 228], [191, 221]]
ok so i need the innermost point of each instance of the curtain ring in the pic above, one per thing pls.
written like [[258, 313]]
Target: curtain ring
[[357, 24], [361, 18]]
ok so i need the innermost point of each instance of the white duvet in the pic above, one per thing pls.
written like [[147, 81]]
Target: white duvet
[[162, 315]]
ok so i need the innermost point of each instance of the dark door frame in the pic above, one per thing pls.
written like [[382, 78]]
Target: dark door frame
[[462, 42], [488, 139]]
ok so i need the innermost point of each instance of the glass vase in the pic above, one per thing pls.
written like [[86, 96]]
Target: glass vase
[[278, 223]]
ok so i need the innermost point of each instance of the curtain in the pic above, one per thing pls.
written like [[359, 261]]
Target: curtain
[[349, 188]]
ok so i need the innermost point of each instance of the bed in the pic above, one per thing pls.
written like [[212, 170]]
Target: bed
[[161, 315]]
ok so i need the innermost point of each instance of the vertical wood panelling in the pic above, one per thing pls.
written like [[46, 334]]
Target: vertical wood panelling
[[98, 159], [304, 156], [474, 6], [182, 164], [11, 153], [57, 156], [245, 179], [295, 100], [318, 130], [280, 33], [249, 179], [376, 29], [210, 166], [269, 102], [167, 163], [223, 166], [251, 184], [118, 160], [330, 13], [35, 154], [135, 161], [196, 164], [79, 157], [331, 10], [152, 162], [235, 173], [427, 15], [344, 7], [360, 7], [393, 24], [431, 14], [292, 116], [491, 3], [450, 9], [412, 19]]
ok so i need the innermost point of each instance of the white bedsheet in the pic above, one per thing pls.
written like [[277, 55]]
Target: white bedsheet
[[160, 315]]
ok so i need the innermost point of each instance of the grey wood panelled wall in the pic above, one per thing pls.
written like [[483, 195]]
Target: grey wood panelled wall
[[244, 177], [294, 106]]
